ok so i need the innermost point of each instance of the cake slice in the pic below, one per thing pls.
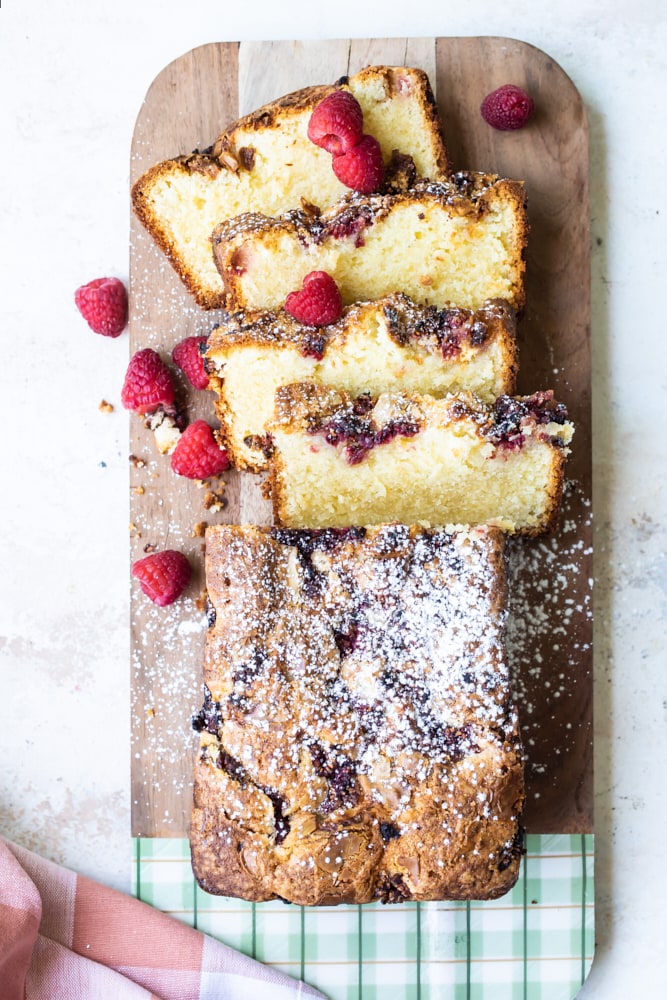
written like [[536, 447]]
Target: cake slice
[[266, 163], [358, 739], [458, 241], [339, 461], [376, 346]]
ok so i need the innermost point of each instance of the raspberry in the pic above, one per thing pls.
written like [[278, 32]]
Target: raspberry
[[163, 576], [507, 108], [197, 454], [103, 305], [336, 124], [189, 359], [362, 167], [318, 303], [147, 383]]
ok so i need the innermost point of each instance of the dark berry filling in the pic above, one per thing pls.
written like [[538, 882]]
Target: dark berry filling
[[464, 183], [511, 851], [512, 414], [210, 612], [312, 345], [388, 832], [391, 889], [352, 427], [340, 774], [231, 766], [347, 641], [307, 542], [209, 717], [280, 821], [350, 222], [248, 671], [451, 328]]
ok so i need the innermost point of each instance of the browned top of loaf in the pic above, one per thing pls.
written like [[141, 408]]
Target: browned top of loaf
[[358, 738]]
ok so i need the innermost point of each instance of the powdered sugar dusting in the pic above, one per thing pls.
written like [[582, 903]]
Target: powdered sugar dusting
[[378, 647], [549, 649]]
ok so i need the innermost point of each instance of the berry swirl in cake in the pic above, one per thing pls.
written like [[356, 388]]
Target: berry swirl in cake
[[391, 344]]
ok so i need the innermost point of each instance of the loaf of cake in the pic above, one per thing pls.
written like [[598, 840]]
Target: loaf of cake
[[458, 241], [266, 163], [338, 461], [389, 344], [358, 740]]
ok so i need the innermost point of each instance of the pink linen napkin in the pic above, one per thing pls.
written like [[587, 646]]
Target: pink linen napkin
[[63, 935]]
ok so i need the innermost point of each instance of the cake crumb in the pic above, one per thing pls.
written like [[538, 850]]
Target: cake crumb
[[105, 407], [215, 500]]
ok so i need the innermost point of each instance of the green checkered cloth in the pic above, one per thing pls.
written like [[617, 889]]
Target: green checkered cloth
[[536, 943]]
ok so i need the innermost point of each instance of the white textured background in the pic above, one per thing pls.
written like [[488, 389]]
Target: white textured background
[[72, 78]]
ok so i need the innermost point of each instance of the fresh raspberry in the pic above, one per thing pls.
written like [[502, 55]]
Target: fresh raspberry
[[507, 108], [362, 167], [337, 123], [147, 383], [103, 305], [163, 576], [197, 454], [318, 303], [188, 357]]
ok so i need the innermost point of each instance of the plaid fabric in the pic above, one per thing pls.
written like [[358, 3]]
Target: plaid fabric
[[536, 943], [64, 936]]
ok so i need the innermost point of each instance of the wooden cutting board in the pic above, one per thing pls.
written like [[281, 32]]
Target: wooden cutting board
[[550, 628]]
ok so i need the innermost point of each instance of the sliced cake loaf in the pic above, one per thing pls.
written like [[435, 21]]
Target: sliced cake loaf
[[458, 241], [375, 346], [340, 461], [358, 738], [266, 163]]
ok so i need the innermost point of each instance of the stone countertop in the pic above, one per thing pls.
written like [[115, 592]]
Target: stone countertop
[[72, 81]]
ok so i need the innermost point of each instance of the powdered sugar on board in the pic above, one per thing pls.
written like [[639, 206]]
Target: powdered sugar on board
[[549, 650]]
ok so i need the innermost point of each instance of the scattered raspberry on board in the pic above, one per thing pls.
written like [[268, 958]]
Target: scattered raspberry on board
[[507, 108], [148, 383], [163, 576]]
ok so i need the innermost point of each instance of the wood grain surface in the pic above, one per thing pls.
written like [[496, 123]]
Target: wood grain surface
[[550, 627]]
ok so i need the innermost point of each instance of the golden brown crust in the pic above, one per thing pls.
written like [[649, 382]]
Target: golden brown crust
[[206, 297], [338, 764]]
